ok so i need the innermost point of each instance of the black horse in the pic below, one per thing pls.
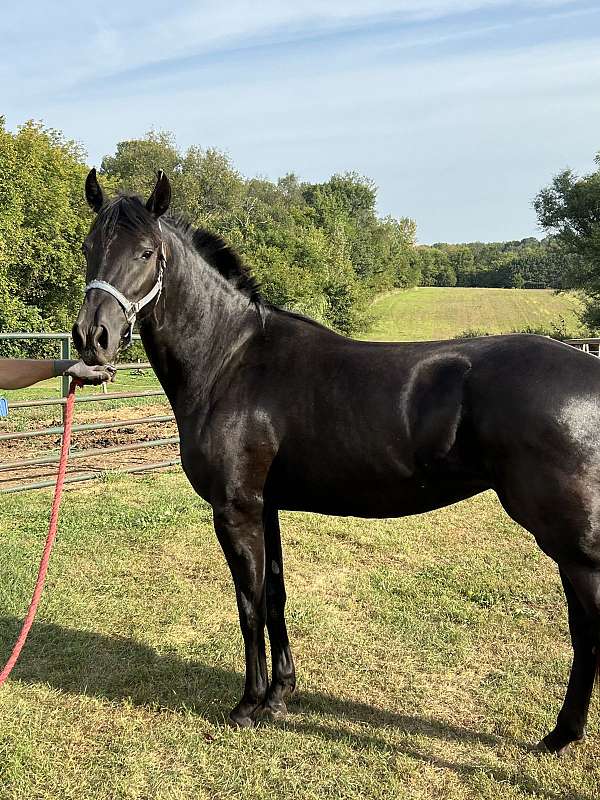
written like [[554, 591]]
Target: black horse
[[277, 412]]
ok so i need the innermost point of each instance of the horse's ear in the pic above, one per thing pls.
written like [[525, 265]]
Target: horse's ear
[[159, 200], [93, 192]]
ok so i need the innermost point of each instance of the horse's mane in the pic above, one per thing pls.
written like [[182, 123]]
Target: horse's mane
[[129, 212], [219, 255]]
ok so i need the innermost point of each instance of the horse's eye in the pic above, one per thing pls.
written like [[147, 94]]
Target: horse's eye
[[146, 254]]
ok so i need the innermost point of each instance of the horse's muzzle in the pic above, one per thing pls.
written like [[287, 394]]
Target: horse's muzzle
[[97, 333]]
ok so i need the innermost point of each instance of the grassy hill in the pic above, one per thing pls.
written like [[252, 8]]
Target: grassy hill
[[441, 313]]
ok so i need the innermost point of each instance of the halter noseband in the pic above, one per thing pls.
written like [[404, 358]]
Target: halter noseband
[[131, 310]]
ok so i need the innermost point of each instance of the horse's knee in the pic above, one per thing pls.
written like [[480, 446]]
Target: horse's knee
[[252, 610]]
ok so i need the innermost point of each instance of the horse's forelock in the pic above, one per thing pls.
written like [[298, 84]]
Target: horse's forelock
[[127, 212]]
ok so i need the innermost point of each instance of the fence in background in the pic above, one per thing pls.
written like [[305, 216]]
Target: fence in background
[[591, 346], [63, 341]]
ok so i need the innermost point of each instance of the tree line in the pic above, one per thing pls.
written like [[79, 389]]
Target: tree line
[[317, 248], [525, 264]]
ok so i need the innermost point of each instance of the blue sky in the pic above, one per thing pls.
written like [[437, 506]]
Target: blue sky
[[460, 111]]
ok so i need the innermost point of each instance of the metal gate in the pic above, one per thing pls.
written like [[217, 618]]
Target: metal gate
[[12, 468]]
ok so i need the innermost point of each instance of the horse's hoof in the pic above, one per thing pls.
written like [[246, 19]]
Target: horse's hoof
[[240, 721], [546, 748], [555, 746], [276, 709]]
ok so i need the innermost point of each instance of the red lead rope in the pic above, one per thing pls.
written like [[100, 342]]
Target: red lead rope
[[39, 584]]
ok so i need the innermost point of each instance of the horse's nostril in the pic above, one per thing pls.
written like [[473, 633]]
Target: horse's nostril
[[103, 338], [78, 338], [100, 338]]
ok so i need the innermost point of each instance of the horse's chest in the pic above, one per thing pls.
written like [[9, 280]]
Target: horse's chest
[[196, 466], [223, 459]]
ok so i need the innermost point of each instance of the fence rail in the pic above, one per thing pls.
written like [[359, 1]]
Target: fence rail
[[61, 401], [17, 466], [90, 476], [591, 346], [94, 426]]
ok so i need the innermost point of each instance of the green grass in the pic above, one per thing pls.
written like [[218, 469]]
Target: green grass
[[431, 653], [441, 313]]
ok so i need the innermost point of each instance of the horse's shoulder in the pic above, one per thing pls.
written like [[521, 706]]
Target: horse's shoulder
[[433, 402]]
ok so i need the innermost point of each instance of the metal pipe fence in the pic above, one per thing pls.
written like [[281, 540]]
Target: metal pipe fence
[[5, 437], [19, 465], [90, 476], [61, 401], [121, 448], [591, 346]]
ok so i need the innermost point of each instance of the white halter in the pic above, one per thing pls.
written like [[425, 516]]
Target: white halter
[[131, 310]]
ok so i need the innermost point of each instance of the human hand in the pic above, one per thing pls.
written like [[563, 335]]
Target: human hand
[[91, 375]]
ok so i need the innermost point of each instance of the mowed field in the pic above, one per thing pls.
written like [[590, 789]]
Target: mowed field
[[441, 313]]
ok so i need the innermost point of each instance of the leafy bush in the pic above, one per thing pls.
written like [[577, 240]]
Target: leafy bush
[[555, 331]]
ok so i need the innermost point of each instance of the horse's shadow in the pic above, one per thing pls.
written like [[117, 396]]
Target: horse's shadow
[[118, 668]]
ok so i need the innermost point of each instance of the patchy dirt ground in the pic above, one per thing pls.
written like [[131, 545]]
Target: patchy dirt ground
[[125, 434]]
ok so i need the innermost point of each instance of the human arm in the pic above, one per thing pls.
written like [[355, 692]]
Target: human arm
[[17, 373]]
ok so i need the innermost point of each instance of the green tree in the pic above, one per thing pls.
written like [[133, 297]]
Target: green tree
[[570, 208], [379, 249], [43, 221]]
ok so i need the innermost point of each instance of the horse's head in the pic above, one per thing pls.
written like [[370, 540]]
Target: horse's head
[[125, 257]]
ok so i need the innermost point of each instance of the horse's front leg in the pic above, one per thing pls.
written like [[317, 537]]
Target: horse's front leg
[[241, 535], [283, 674]]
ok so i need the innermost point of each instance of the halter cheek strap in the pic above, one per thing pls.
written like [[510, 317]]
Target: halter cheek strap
[[131, 310]]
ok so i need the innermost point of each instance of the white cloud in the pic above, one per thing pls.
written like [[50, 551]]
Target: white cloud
[[456, 134], [74, 41]]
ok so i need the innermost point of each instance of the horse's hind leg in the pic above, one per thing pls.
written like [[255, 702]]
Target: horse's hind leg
[[582, 589], [560, 505], [283, 675]]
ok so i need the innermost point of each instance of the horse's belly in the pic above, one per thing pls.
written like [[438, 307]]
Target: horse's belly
[[375, 498]]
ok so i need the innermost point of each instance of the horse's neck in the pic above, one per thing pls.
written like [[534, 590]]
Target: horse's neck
[[196, 326]]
